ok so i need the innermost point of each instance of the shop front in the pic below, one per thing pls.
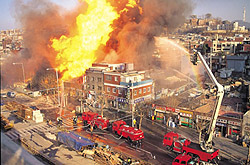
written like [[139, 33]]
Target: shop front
[[163, 113], [221, 126], [112, 103], [122, 103], [234, 127], [160, 112], [186, 118]]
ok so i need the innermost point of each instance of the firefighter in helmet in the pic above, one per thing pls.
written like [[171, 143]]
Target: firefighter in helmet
[[59, 121]]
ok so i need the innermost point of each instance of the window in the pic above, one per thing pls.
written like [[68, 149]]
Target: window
[[99, 88], [114, 90], [93, 87], [88, 86], [183, 162], [108, 89], [108, 77], [176, 160], [139, 91], [135, 92], [120, 90], [87, 78], [116, 78], [99, 79], [148, 89], [144, 90]]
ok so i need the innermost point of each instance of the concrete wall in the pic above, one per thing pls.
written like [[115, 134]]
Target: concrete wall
[[11, 153]]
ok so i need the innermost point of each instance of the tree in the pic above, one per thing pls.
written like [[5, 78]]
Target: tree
[[101, 101], [142, 109], [208, 16], [201, 124]]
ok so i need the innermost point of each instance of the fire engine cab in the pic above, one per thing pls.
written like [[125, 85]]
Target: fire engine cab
[[184, 159], [95, 120], [88, 117], [174, 142]]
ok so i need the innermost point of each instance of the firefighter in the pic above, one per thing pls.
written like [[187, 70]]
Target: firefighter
[[49, 122], [74, 120], [91, 130], [59, 121]]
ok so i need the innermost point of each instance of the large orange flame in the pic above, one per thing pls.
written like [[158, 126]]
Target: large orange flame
[[77, 53]]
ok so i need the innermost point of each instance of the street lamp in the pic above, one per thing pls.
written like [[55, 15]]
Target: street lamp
[[57, 83], [22, 69]]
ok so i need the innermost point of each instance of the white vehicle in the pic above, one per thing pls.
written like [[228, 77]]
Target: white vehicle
[[3, 95]]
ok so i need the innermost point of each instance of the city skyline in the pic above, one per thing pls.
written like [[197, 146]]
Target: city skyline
[[225, 9]]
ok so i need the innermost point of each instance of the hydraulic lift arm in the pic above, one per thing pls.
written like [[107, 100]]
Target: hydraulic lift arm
[[207, 143]]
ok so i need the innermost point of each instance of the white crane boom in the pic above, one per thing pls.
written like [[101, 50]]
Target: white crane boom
[[207, 143]]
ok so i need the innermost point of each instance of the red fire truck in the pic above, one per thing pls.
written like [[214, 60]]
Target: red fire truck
[[93, 119], [174, 142], [133, 134]]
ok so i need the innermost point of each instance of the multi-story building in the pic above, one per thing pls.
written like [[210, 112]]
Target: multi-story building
[[124, 88], [94, 77], [94, 80]]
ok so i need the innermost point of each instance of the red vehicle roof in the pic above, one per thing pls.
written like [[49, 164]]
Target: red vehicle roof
[[119, 122], [171, 134], [90, 113], [181, 157], [132, 130]]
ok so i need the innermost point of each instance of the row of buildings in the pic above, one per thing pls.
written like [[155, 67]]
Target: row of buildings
[[226, 125], [212, 24]]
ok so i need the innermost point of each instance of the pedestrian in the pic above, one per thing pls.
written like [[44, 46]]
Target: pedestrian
[[91, 130], [134, 121], [164, 119]]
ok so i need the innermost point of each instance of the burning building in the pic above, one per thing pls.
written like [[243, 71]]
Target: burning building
[[114, 31]]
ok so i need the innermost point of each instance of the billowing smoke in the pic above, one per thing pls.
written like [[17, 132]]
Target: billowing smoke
[[134, 37], [40, 20]]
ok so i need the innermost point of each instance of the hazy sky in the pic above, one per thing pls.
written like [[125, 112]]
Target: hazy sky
[[225, 9]]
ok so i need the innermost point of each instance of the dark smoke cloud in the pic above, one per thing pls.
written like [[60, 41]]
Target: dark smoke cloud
[[41, 21], [134, 39]]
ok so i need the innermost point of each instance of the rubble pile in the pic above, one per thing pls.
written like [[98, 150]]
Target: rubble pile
[[105, 155]]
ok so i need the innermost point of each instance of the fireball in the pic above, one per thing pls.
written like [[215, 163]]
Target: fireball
[[76, 53]]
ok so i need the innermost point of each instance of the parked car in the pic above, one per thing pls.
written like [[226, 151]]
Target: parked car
[[3, 95], [11, 94]]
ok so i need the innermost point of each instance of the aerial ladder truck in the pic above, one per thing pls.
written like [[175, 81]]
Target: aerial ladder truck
[[202, 153]]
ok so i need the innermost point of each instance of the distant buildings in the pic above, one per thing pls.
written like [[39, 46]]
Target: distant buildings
[[10, 40]]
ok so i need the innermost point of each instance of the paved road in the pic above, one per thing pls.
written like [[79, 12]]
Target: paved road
[[15, 134]]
